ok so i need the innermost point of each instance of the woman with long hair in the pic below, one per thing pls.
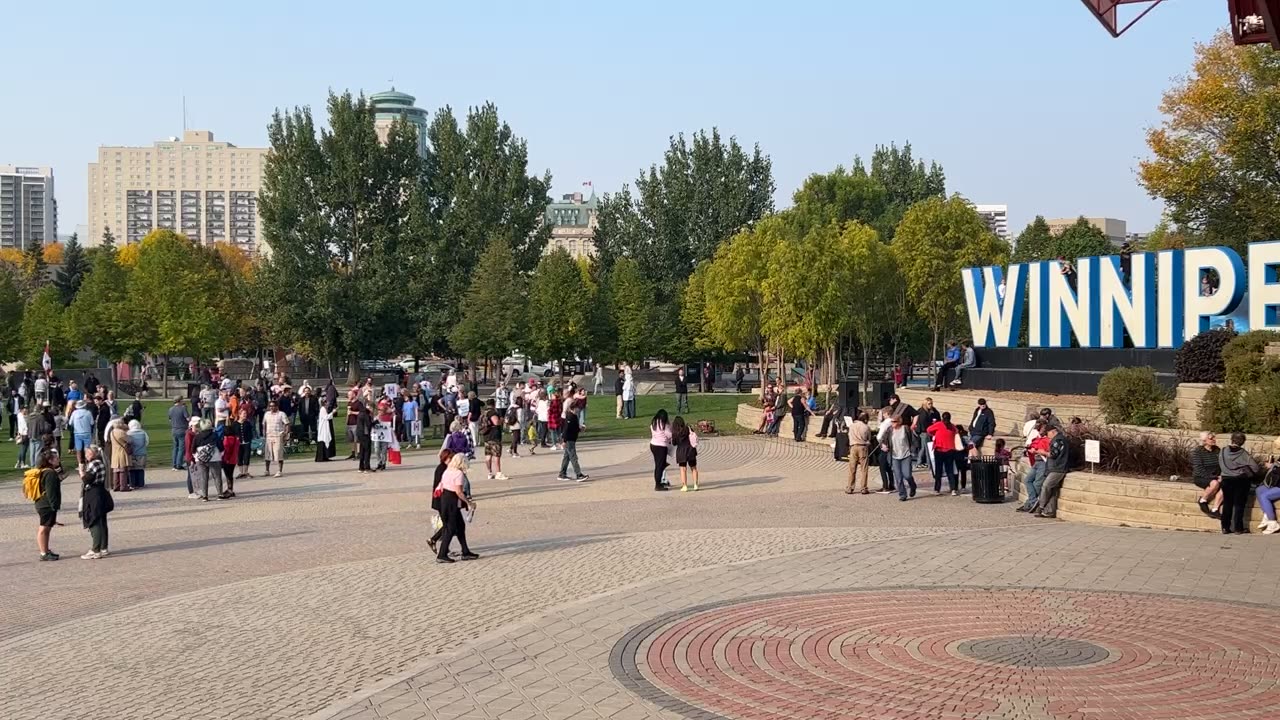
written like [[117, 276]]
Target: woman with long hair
[[685, 441], [453, 499], [659, 445], [245, 431], [445, 456]]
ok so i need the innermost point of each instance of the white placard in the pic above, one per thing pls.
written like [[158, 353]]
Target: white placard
[[1092, 451]]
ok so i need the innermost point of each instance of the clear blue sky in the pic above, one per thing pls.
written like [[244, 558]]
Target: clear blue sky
[[1026, 103]]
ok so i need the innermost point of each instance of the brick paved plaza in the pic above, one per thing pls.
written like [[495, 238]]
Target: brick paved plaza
[[770, 593]]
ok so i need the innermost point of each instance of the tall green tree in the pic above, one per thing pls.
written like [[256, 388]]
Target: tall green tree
[[334, 206], [559, 319], [43, 321], [704, 192], [734, 286], [935, 241], [75, 264], [101, 318], [875, 288], [199, 321], [838, 197], [634, 315], [1080, 239], [11, 310], [1216, 157], [1035, 242], [476, 187], [491, 317], [691, 339], [906, 181]]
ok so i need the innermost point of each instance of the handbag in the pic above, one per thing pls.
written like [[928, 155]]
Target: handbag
[[393, 456]]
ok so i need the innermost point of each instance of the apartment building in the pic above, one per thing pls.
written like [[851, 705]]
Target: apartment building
[[204, 189], [996, 217], [573, 224], [28, 209]]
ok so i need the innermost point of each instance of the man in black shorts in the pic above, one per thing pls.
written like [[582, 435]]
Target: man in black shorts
[[491, 432]]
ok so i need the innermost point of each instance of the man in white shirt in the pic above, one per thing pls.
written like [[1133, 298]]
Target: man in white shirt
[[628, 396], [221, 409]]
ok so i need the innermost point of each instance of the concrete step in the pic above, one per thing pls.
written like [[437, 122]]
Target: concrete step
[[1191, 519]]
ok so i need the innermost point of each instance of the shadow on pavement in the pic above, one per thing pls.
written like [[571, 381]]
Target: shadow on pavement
[[203, 543]]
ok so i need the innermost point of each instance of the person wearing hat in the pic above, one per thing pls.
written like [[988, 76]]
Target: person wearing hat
[[81, 430]]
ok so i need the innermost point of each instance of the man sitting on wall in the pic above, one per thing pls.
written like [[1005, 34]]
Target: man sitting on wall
[[1206, 474], [952, 359], [967, 360]]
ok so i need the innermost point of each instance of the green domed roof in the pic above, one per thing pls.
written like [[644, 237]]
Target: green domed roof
[[392, 97]]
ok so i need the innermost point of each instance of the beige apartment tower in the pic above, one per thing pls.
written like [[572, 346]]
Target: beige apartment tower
[[203, 189]]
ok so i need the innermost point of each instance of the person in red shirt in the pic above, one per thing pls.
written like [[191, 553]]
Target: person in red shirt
[[945, 452], [1037, 455], [555, 417]]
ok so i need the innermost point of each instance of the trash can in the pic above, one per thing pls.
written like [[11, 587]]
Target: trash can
[[984, 472]]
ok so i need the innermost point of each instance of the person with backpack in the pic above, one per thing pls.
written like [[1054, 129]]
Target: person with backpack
[[95, 504], [43, 486]]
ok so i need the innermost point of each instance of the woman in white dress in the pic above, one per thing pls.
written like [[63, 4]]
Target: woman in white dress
[[324, 435]]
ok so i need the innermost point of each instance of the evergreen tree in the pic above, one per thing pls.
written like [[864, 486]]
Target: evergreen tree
[[634, 315], [11, 310], [75, 264], [490, 322], [559, 309]]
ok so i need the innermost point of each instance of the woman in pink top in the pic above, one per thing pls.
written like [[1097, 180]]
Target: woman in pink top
[[659, 445], [453, 499], [686, 442]]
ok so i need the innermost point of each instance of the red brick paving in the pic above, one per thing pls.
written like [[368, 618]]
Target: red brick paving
[[893, 654]]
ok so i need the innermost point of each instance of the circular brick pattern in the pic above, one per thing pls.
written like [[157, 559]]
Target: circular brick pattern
[[1034, 652], [958, 653]]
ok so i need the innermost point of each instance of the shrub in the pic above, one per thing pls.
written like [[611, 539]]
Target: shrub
[[1128, 452], [1222, 410], [1199, 360], [1245, 358], [1133, 396], [1262, 407]]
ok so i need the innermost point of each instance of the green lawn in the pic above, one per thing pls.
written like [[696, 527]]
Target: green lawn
[[722, 408], [601, 425]]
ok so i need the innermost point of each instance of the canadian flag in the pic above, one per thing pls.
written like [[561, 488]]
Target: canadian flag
[[47, 360]]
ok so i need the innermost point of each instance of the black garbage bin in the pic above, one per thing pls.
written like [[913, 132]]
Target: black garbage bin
[[984, 473]]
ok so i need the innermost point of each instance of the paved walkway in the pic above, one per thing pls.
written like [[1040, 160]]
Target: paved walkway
[[768, 594]]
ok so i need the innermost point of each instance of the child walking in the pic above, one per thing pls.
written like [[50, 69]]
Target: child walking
[[686, 442]]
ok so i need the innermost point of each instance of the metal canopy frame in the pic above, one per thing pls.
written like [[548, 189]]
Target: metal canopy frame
[[1105, 12]]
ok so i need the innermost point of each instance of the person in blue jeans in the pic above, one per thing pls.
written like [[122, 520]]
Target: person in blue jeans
[[1037, 453], [900, 446], [179, 418], [81, 422], [1268, 492]]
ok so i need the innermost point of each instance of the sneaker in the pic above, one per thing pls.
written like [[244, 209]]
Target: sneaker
[[46, 557], [562, 477], [684, 488], [1272, 528], [91, 555], [955, 493], [490, 476], [469, 556], [500, 476], [581, 478], [444, 560], [695, 487], [1263, 524], [434, 546], [204, 498], [192, 496], [885, 491], [913, 492], [1204, 507], [104, 553], [277, 475]]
